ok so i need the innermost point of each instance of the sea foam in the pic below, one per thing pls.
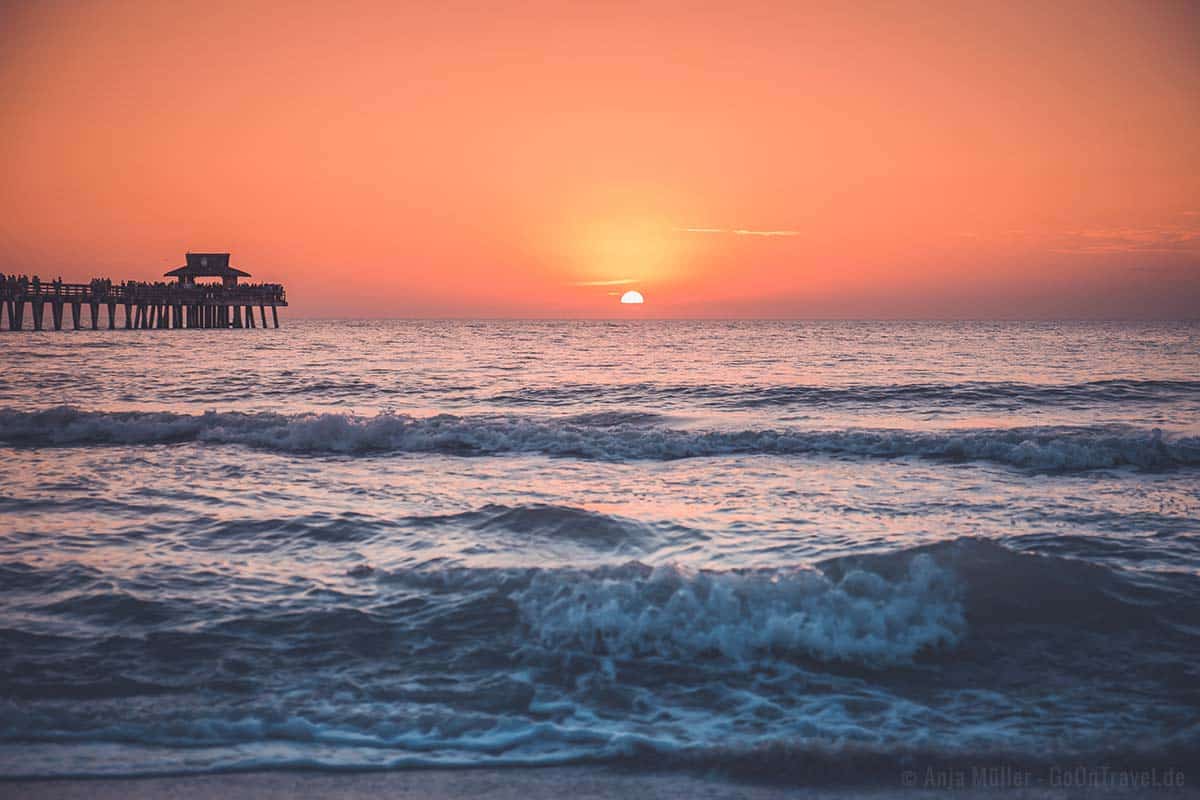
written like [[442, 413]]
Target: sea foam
[[1059, 448], [678, 614]]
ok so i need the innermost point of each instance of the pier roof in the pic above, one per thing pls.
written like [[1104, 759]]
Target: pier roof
[[207, 265]]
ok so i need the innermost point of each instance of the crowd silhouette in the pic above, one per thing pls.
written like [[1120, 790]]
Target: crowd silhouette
[[23, 284], [18, 286]]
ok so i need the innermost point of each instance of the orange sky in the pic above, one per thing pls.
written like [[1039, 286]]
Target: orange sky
[[963, 159]]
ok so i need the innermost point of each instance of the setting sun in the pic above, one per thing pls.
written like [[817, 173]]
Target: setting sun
[[632, 298]]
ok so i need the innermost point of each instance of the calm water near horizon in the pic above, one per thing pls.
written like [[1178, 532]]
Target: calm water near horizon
[[350, 544]]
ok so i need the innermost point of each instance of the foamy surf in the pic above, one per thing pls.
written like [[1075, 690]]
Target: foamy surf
[[1042, 448], [680, 614], [873, 660]]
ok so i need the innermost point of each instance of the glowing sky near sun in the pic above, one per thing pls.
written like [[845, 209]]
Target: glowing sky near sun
[[963, 159]]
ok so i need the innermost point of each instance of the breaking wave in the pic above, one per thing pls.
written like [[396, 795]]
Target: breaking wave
[[1060, 448], [861, 662], [678, 614]]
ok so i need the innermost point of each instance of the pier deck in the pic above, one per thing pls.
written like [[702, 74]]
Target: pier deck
[[146, 305]]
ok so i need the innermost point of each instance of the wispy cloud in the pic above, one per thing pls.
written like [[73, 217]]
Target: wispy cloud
[[617, 282], [1156, 239], [739, 231], [744, 232]]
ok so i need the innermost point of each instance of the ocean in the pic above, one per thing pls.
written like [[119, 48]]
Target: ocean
[[795, 551]]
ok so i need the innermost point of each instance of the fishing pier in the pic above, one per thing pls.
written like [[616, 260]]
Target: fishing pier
[[183, 304]]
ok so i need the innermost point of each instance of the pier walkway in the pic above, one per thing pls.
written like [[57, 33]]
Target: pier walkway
[[146, 305]]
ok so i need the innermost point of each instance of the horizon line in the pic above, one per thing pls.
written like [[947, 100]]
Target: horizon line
[[1195, 319]]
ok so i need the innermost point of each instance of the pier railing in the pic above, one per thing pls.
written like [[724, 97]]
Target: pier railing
[[147, 305], [252, 294]]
